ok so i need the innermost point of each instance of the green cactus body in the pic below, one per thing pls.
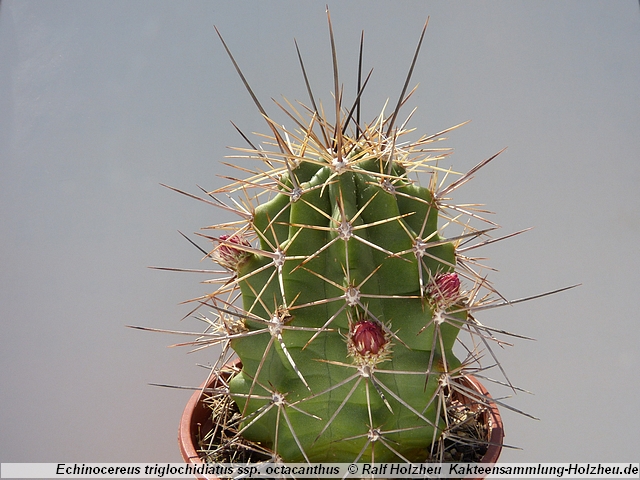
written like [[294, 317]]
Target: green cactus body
[[351, 302], [341, 252]]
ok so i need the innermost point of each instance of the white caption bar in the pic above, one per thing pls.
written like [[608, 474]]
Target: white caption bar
[[319, 470]]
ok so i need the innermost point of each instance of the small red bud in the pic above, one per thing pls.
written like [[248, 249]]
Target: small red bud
[[445, 289], [228, 256], [368, 337]]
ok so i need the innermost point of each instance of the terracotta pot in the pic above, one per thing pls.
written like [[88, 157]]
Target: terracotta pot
[[197, 417], [493, 419]]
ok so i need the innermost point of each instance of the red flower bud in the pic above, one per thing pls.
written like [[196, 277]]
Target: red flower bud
[[367, 337], [228, 256], [445, 289]]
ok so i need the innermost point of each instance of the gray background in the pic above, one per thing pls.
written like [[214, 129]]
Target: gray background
[[102, 101]]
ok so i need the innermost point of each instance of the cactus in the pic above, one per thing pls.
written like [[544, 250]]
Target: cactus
[[342, 296]]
